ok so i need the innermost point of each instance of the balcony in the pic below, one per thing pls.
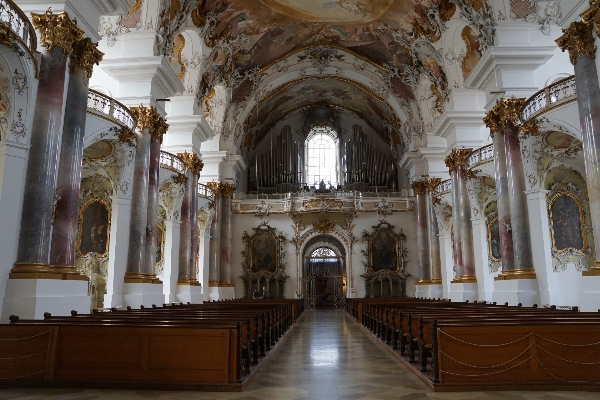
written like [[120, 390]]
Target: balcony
[[443, 188], [172, 163], [21, 29], [480, 156], [109, 109], [555, 95]]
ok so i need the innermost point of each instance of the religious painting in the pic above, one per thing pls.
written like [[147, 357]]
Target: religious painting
[[560, 140], [263, 252], [566, 217], [493, 234], [94, 228], [384, 251], [160, 242]]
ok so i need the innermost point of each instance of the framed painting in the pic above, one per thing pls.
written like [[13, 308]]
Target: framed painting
[[94, 227], [160, 242], [566, 217], [264, 251], [384, 250], [493, 234]]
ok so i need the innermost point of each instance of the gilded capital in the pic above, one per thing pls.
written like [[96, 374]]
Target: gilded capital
[[457, 158], [149, 118], [85, 54], [493, 121], [592, 15], [192, 162], [419, 187], [509, 110], [126, 135], [57, 30], [432, 183], [227, 189], [215, 186], [577, 39]]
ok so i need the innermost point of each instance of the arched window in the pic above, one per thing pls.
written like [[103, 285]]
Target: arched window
[[321, 157]]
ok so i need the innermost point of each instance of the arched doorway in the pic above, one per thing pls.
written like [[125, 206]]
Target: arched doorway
[[324, 273]]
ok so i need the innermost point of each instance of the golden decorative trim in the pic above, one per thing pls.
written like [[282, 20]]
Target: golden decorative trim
[[126, 135], [188, 282], [493, 121], [215, 186], [6, 35], [135, 6], [419, 187], [594, 271], [465, 279], [424, 282], [33, 270], [149, 118], [57, 30], [227, 190], [330, 45], [80, 226], [525, 273], [213, 284], [324, 225], [209, 95], [192, 162], [432, 183], [578, 40], [226, 284], [457, 158], [180, 179], [134, 277], [437, 281], [85, 54], [529, 128], [178, 51]]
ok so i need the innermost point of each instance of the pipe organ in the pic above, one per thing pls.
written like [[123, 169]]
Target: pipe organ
[[282, 168]]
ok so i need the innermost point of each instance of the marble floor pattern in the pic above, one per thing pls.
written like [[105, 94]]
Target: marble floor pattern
[[326, 356]]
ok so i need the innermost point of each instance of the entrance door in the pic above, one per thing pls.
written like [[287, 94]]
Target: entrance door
[[324, 282]]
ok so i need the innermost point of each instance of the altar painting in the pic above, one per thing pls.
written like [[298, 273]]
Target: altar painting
[[494, 239], [566, 218], [384, 251], [263, 254], [94, 228]]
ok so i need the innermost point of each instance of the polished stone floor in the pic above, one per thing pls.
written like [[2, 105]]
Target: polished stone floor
[[325, 356]]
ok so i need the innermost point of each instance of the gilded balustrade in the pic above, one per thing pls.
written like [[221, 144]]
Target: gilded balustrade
[[172, 163], [109, 108], [559, 93], [21, 29]]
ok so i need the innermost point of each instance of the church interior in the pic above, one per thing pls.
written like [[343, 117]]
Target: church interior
[[379, 158]]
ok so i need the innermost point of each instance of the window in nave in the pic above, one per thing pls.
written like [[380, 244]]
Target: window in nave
[[322, 157]]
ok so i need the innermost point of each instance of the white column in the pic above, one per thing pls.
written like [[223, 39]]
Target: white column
[[117, 251], [171, 269], [447, 261], [485, 279], [541, 243], [13, 166]]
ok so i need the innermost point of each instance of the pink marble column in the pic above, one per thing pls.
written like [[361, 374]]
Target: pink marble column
[[420, 189], [225, 269], [153, 193], [35, 237], [434, 240], [456, 242], [578, 40], [64, 232], [215, 237], [504, 220]]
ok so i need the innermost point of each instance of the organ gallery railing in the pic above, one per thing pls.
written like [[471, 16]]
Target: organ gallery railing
[[560, 92], [13, 18], [109, 108], [442, 188], [172, 163], [480, 156]]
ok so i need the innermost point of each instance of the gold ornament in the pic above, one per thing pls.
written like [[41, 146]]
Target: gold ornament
[[509, 110], [577, 39], [432, 183], [126, 135], [324, 225], [57, 30], [592, 15], [493, 121], [420, 187], [458, 158], [148, 117], [180, 179], [215, 186], [192, 162], [227, 189], [85, 54], [530, 128], [7, 37]]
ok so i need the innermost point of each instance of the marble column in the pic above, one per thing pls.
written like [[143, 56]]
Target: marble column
[[215, 237], [434, 240], [152, 209], [151, 125], [420, 190], [188, 247], [33, 257], [504, 219], [461, 206], [579, 42], [64, 233], [455, 235], [225, 270]]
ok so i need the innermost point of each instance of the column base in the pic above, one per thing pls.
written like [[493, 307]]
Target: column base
[[133, 277], [189, 293], [463, 291], [515, 291], [527, 273], [146, 294], [221, 292], [465, 279], [429, 290], [26, 270], [589, 298], [594, 271], [31, 298]]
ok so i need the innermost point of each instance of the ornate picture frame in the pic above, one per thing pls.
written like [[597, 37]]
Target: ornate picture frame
[[567, 231], [94, 228], [386, 249], [493, 239], [160, 244]]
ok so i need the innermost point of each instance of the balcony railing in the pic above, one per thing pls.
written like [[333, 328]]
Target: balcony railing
[[301, 195], [108, 107], [205, 192], [560, 92], [442, 188], [480, 156], [15, 19], [171, 162]]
